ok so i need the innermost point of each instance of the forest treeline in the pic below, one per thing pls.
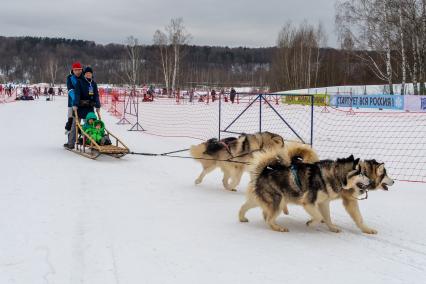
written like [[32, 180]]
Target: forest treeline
[[33, 59]]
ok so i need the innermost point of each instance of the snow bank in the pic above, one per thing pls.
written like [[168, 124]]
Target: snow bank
[[67, 219]]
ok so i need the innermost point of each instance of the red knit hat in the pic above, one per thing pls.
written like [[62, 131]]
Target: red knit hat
[[77, 65]]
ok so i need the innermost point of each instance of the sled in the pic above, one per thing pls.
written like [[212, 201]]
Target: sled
[[92, 150]]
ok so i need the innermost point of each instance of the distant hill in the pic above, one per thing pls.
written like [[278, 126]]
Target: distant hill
[[32, 59]]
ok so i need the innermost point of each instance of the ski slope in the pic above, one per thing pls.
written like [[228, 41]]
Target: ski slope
[[68, 219]]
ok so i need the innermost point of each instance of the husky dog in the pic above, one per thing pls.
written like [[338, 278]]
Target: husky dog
[[276, 181], [232, 155], [376, 172]]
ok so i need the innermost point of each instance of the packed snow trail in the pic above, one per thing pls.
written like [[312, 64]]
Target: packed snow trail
[[68, 219]]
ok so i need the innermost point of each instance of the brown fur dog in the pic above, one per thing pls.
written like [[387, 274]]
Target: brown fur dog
[[232, 155]]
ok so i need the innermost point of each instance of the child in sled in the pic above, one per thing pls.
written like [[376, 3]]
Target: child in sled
[[90, 119], [88, 123], [95, 128], [97, 132]]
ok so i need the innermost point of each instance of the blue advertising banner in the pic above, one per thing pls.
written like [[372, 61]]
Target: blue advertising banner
[[395, 102], [415, 103]]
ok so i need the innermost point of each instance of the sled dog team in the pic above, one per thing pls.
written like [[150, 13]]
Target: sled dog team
[[284, 172]]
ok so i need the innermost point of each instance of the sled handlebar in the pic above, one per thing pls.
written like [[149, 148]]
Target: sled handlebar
[[97, 111]]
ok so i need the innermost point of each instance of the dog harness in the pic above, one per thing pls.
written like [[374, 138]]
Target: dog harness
[[226, 146], [296, 178]]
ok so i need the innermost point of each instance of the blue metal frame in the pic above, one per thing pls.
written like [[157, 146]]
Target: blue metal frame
[[312, 120], [259, 98], [286, 123], [260, 112], [240, 114], [220, 113]]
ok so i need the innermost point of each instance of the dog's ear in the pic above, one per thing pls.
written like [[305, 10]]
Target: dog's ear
[[358, 167], [278, 140], [381, 169], [356, 163]]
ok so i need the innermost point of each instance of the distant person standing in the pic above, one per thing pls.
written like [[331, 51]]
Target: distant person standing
[[191, 95], [35, 92], [51, 92], [9, 90], [213, 95], [232, 95]]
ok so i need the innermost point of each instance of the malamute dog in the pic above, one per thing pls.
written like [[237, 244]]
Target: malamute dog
[[232, 155], [376, 172], [276, 181]]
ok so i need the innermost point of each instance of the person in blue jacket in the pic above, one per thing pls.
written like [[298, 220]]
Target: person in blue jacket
[[86, 97], [72, 80]]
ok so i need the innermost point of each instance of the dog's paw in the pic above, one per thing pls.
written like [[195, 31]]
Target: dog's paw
[[197, 181], [243, 220], [312, 223], [334, 229], [369, 231], [232, 189], [279, 229], [285, 210]]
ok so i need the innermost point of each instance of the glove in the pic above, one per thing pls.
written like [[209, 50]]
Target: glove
[[68, 124]]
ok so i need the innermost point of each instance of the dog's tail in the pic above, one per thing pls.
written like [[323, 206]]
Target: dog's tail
[[293, 152], [197, 151], [298, 152], [264, 159]]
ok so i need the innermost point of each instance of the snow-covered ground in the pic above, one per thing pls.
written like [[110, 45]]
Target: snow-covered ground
[[68, 219]]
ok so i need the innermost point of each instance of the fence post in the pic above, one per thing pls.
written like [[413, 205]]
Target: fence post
[[260, 113], [312, 121], [220, 113], [137, 126]]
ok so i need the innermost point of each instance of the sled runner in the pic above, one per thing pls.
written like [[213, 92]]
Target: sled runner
[[87, 146]]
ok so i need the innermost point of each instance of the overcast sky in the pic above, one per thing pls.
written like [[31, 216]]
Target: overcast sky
[[252, 23]]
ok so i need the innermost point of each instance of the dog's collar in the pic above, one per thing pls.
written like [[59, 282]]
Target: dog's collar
[[293, 170]]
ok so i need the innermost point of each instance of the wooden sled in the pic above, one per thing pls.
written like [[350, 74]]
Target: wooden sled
[[92, 150]]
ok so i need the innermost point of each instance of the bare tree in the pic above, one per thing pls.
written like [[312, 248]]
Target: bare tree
[[403, 55], [52, 68], [423, 54], [298, 57], [321, 40], [171, 49], [132, 64], [160, 40], [369, 24], [394, 31]]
